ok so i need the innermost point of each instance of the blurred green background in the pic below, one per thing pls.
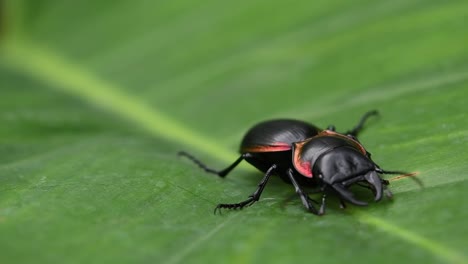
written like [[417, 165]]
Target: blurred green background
[[96, 98]]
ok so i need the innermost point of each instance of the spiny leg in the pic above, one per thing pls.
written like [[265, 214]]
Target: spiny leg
[[254, 196], [221, 173], [306, 201], [355, 131]]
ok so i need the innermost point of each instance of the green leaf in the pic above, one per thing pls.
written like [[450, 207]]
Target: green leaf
[[98, 97]]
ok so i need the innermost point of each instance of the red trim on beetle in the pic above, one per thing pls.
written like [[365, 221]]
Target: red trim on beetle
[[304, 168], [336, 134], [279, 146]]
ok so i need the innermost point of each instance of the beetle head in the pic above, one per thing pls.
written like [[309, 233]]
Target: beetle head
[[344, 166]]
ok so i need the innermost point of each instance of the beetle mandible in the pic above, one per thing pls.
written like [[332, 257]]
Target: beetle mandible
[[305, 155]]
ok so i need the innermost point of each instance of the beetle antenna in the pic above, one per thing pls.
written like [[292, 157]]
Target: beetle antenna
[[411, 175]]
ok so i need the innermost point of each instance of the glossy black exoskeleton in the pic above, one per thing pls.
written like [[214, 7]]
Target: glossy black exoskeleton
[[304, 155]]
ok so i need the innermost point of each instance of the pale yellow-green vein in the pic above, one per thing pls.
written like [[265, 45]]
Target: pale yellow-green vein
[[67, 77]]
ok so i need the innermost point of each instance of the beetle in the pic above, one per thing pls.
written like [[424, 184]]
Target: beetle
[[306, 156]]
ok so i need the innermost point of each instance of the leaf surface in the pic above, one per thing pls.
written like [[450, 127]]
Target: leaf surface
[[97, 98]]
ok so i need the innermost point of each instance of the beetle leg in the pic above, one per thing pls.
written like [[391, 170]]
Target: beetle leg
[[342, 203], [355, 131], [306, 201], [322, 205], [221, 173], [253, 197]]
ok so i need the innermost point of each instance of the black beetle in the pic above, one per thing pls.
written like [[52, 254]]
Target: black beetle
[[304, 155]]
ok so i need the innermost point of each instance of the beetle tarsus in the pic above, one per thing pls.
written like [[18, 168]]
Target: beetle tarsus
[[235, 206], [221, 173], [254, 197], [198, 162]]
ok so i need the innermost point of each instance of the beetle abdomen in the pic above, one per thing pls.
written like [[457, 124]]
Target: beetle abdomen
[[276, 135]]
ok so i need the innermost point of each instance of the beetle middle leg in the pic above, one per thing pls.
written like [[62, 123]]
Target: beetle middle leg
[[221, 173], [253, 197], [306, 201]]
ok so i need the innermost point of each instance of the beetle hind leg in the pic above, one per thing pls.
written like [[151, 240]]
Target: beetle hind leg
[[355, 131], [254, 197], [221, 173]]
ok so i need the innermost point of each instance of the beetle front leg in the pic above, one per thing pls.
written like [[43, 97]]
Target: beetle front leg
[[306, 201], [254, 197]]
